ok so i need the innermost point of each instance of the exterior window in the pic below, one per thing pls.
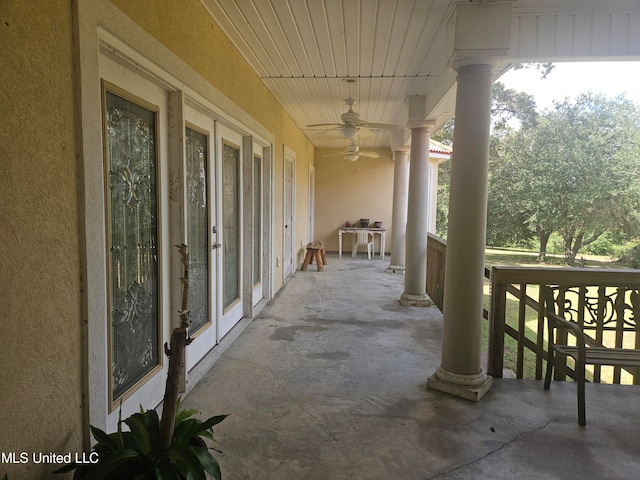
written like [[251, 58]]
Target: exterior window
[[132, 229]]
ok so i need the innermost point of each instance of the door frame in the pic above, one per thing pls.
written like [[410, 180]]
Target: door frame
[[127, 82]]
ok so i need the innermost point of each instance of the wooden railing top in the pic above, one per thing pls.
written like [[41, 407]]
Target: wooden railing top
[[436, 237], [564, 276]]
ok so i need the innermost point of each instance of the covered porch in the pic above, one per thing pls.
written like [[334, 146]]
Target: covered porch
[[329, 381]]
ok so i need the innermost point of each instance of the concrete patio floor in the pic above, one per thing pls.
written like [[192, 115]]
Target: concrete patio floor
[[329, 382]]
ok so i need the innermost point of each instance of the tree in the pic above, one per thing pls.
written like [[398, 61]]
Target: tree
[[508, 106], [576, 171], [445, 136]]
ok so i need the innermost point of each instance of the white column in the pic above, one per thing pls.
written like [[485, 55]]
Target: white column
[[415, 276], [400, 204], [478, 35], [461, 372]]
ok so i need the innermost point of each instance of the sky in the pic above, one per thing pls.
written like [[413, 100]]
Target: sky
[[571, 79]]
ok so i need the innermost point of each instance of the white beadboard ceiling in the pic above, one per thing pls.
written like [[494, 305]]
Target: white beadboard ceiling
[[314, 54], [305, 51]]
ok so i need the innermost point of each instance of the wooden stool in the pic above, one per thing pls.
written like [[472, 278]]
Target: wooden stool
[[315, 249]]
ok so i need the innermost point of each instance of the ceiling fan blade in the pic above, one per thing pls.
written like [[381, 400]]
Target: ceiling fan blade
[[364, 133], [324, 125], [339, 154], [369, 154], [382, 126]]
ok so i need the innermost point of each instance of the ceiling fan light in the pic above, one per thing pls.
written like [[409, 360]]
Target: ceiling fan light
[[352, 157], [349, 131]]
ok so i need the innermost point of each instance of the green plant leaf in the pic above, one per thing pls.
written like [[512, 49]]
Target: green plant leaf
[[211, 421], [185, 431], [109, 441], [186, 462], [206, 434], [140, 433], [184, 414], [166, 470], [208, 461], [152, 423]]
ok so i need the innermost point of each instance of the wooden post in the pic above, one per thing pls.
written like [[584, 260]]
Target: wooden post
[[495, 357]]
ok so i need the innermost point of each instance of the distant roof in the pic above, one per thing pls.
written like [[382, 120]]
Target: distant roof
[[437, 147]]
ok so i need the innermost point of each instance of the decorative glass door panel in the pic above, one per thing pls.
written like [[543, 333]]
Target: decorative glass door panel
[[231, 223], [132, 214], [289, 227], [257, 219], [257, 225], [197, 228], [230, 230]]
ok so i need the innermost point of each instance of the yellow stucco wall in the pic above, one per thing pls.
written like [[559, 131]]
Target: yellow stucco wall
[[40, 376], [349, 191], [186, 28]]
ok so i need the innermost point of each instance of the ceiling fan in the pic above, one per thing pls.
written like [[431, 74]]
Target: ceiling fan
[[352, 153], [352, 126]]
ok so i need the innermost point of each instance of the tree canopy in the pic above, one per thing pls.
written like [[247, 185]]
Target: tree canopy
[[572, 170]]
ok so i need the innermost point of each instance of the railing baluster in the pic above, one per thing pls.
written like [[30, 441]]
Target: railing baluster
[[601, 314], [521, 329], [582, 299], [560, 370], [634, 301], [619, 313], [540, 351]]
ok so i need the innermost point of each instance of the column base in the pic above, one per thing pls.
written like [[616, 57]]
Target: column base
[[410, 300], [471, 387], [395, 269]]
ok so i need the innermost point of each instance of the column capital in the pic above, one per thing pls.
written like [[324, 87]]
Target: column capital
[[400, 149], [479, 33], [400, 139], [462, 60], [414, 124]]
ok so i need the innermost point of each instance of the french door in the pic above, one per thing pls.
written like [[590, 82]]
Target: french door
[[230, 228], [134, 113], [289, 226], [199, 207]]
